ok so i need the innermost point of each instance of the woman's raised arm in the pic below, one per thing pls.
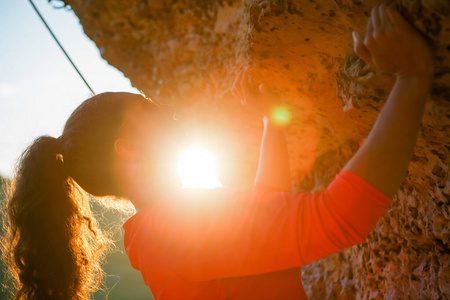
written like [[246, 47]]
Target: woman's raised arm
[[392, 45], [273, 166]]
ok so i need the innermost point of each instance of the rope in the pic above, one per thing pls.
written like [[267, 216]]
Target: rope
[[60, 46]]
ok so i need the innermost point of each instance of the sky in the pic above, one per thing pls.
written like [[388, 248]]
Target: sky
[[38, 86]]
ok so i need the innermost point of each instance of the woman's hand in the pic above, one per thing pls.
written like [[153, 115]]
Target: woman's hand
[[258, 98], [392, 45]]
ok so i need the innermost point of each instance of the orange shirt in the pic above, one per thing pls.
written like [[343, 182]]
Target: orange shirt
[[228, 244]]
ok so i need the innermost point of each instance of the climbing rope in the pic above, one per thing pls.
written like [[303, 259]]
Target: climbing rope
[[60, 46]]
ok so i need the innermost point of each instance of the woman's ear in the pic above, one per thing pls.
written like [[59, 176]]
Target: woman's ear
[[123, 147]]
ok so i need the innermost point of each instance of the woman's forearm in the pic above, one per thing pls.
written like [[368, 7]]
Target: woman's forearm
[[273, 168], [384, 157]]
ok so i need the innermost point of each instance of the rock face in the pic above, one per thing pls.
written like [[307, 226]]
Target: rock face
[[186, 53]]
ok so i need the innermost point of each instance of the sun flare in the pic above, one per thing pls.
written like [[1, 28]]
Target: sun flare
[[197, 168]]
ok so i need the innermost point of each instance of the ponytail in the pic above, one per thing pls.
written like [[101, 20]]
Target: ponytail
[[53, 244]]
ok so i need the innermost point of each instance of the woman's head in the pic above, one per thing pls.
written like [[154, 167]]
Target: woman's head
[[89, 136], [53, 244]]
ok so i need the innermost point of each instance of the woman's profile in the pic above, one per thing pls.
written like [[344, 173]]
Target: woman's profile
[[206, 244]]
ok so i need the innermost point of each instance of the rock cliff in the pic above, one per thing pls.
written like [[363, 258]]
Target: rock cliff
[[186, 53]]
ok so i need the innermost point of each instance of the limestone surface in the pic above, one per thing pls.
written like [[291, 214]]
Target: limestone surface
[[186, 54]]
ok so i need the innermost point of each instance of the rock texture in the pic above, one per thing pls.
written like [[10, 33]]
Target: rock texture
[[186, 53]]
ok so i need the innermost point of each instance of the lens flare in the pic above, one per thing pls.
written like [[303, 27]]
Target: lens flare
[[281, 115], [197, 168]]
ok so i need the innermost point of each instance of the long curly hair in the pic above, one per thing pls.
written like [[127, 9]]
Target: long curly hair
[[53, 245]]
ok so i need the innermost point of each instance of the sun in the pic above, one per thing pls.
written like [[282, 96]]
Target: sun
[[197, 168]]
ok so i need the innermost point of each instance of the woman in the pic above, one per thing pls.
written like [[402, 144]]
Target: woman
[[207, 244]]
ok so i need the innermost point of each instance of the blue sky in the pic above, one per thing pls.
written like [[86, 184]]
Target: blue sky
[[38, 86]]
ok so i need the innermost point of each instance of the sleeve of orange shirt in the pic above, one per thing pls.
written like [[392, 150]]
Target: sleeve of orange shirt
[[270, 231], [339, 217]]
